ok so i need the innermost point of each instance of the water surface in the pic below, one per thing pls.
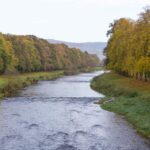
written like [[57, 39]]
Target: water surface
[[61, 115]]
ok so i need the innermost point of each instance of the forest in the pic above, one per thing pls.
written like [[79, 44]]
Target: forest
[[128, 49], [28, 53]]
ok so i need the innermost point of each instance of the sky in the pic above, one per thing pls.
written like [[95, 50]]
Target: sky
[[67, 20]]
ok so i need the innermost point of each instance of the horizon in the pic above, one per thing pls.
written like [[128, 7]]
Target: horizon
[[78, 42]]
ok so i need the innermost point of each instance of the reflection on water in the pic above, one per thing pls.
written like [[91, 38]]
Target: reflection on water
[[61, 115]]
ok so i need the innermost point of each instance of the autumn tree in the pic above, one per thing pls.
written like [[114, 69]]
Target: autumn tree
[[128, 48]]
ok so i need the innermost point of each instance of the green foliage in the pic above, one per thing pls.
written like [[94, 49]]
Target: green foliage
[[31, 54], [128, 49], [131, 99]]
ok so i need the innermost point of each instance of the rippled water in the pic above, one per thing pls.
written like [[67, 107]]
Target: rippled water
[[61, 115]]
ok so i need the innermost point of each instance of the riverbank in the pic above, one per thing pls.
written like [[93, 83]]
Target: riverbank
[[10, 84], [127, 97]]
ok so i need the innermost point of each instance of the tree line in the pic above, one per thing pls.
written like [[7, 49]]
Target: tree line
[[28, 53], [128, 48]]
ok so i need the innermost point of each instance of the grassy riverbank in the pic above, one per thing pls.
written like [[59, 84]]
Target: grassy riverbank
[[127, 97], [10, 84]]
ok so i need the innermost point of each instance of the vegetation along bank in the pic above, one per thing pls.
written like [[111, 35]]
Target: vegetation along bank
[[10, 84], [128, 48], [127, 87], [25, 59], [126, 96]]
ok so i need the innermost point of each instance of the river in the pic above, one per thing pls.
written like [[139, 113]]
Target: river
[[61, 115]]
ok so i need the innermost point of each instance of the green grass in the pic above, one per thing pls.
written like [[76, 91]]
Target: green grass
[[132, 99], [10, 84]]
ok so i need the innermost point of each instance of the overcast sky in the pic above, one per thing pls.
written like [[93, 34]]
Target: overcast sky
[[68, 20]]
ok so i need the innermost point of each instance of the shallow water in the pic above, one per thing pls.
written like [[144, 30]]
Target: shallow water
[[61, 115]]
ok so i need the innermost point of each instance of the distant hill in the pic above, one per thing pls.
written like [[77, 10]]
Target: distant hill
[[90, 47]]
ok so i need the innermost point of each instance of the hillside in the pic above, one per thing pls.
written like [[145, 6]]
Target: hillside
[[90, 47]]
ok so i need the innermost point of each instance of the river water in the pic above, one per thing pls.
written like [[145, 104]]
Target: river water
[[61, 115]]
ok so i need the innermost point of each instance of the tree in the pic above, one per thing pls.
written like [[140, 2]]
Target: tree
[[128, 48]]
